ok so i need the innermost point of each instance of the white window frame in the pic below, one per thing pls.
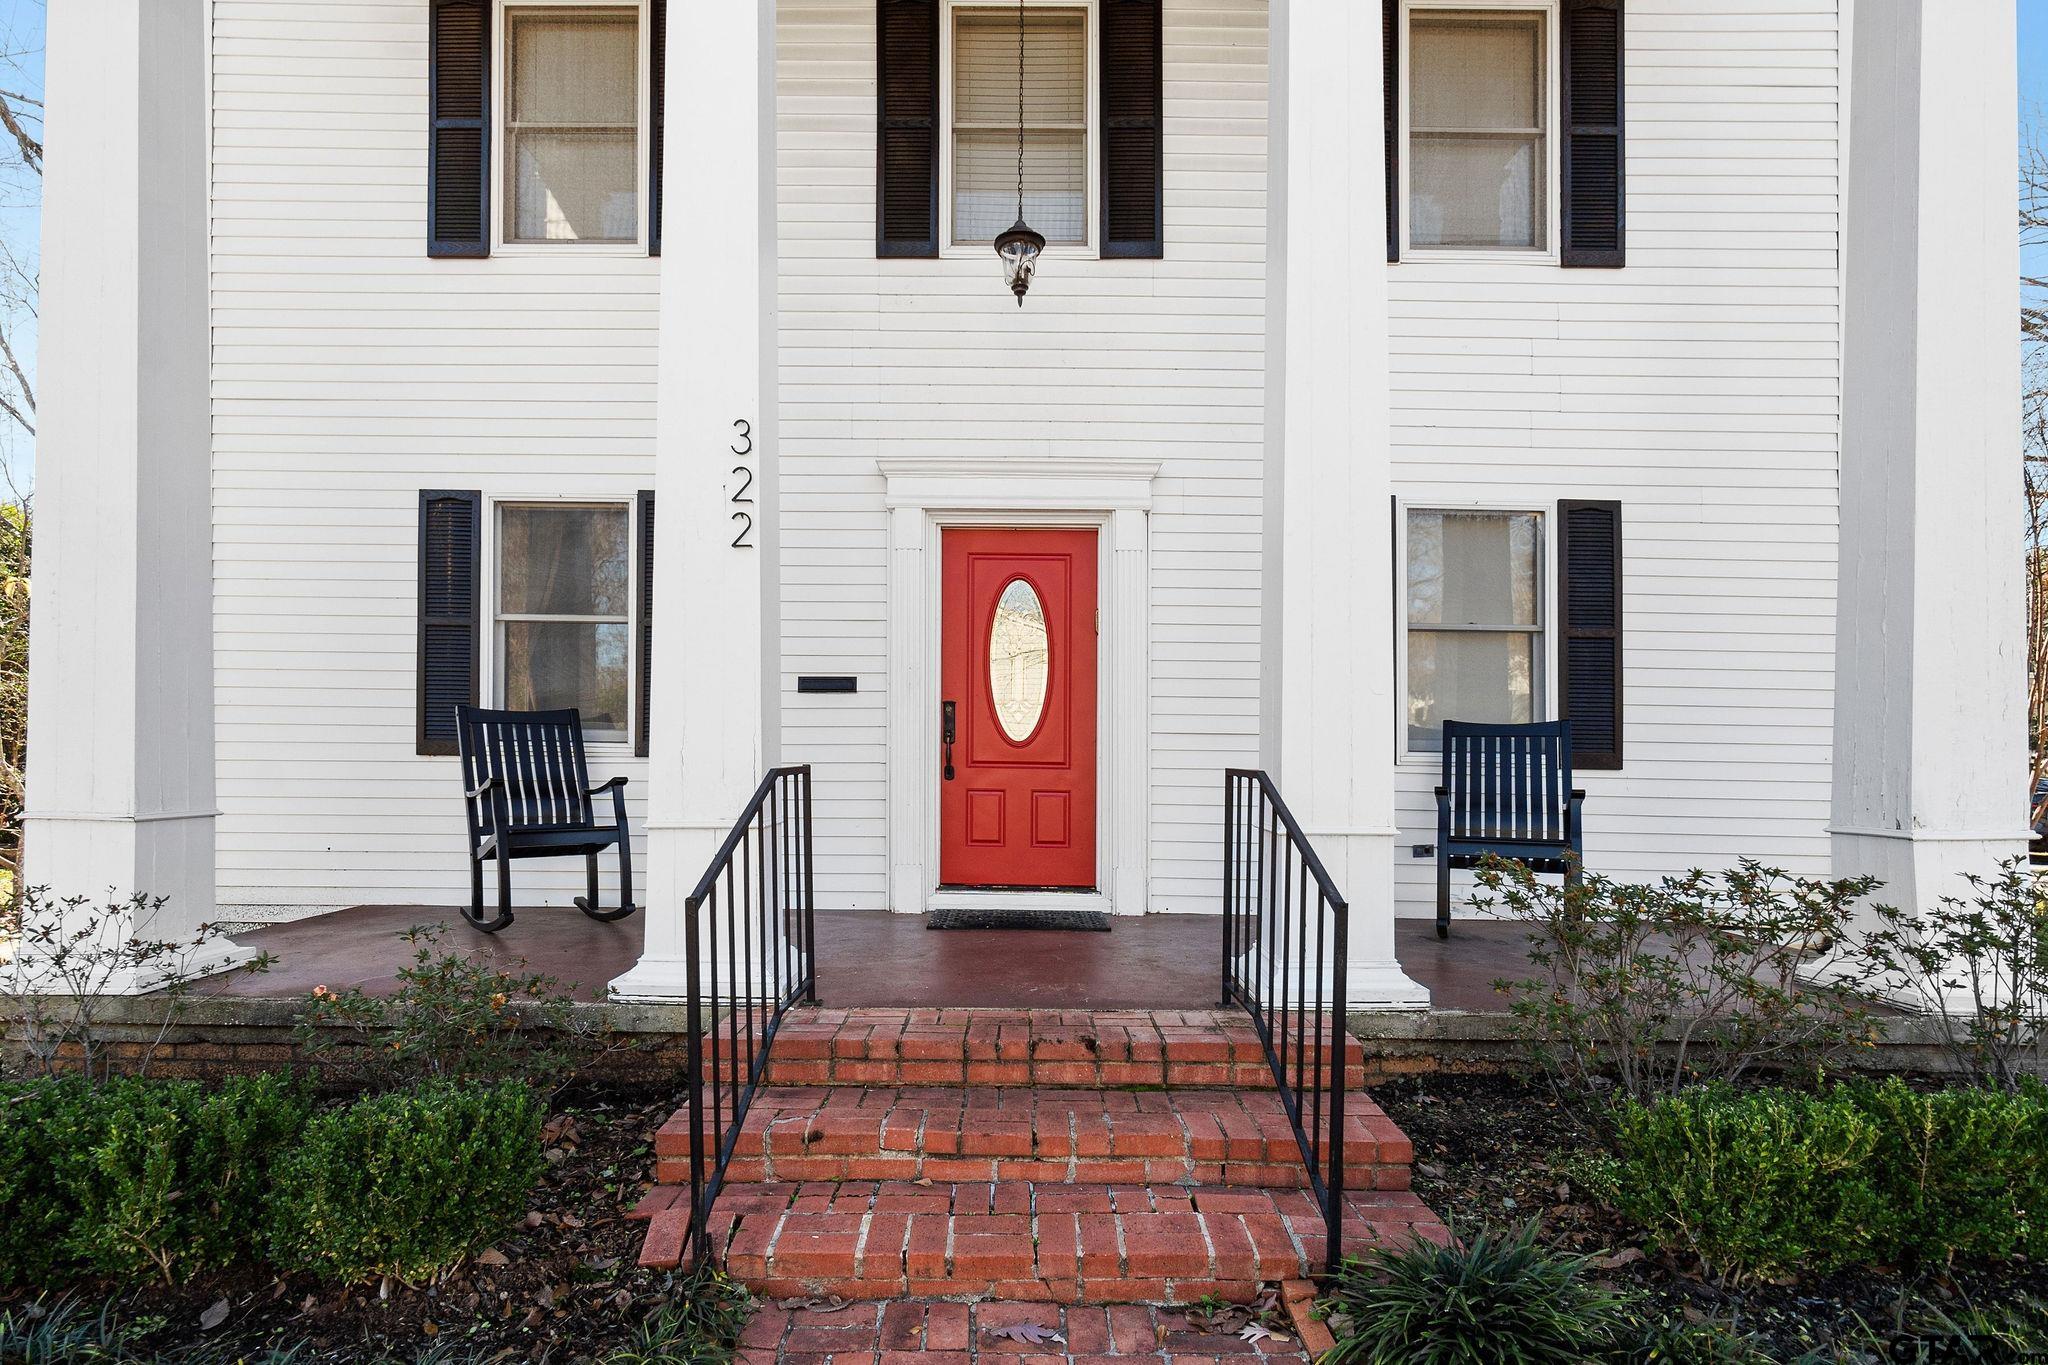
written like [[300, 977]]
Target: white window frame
[[1090, 246], [1545, 691], [1553, 145], [491, 657], [501, 142]]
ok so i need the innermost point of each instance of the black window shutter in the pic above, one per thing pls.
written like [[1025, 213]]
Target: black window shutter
[[1133, 143], [907, 128], [451, 538], [657, 67], [643, 522], [1390, 49], [1595, 195], [459, 128], [1589, 647]]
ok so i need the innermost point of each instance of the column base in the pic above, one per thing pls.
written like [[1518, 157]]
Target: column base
[[1382, 986], [1918, 869]]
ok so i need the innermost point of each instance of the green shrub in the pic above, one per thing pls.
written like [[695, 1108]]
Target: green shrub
[[454, 1014], [44, 1125], [1493, 1298], [405, 1183], [1753, 1184], [1960, 1172], [1772, 1181], [172, 1177]]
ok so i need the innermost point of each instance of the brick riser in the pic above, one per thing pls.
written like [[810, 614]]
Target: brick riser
[[1030, 1242], [1200, 1049], [1084, 1137]]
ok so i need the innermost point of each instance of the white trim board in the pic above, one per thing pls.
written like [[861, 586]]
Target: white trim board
[[924, 498]]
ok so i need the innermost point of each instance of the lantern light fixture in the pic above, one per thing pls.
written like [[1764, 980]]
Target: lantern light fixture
[[1019, 248]]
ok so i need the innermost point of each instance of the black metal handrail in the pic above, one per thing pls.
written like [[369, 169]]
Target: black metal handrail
[[750, 936], [1269, 928]]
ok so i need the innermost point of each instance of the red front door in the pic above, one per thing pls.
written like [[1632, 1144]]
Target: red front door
[[1017, 677]]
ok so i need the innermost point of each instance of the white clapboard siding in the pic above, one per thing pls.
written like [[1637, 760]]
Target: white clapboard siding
[[1701, 387], [349, 372], [1158, 360]]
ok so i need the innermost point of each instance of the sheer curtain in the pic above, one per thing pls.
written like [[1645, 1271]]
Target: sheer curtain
[[985, 124], [1476, 98], [572, 83]]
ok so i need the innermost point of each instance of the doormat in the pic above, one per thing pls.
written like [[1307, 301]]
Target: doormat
[[1090, 920]]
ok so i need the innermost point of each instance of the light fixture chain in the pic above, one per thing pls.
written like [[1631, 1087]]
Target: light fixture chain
[[1020, 110]]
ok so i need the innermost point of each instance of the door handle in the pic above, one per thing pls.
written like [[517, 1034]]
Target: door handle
[[946, 729]]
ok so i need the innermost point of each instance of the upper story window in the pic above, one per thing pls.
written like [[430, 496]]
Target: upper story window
[[573, 109], [562, 616], [982, 124], [1475, 620], [1481, 161]]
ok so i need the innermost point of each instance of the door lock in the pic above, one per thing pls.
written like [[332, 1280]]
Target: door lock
[[946, 730]]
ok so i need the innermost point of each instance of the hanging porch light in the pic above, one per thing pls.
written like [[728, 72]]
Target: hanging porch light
[[1018, 248]]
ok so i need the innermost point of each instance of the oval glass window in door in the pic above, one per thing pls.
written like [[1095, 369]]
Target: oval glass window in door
[[1019, 653]]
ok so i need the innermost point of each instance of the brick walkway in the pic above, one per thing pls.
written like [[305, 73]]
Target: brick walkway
[[919, 1333]]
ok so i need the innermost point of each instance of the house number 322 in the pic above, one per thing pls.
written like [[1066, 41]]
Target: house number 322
[[743, 444]]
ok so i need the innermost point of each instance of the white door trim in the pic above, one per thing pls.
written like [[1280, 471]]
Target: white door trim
[[924, 497]]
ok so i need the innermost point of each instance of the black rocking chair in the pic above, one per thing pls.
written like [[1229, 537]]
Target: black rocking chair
[[1507, 793], [527, 794]]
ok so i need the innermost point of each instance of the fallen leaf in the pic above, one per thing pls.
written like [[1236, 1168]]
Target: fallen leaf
[[492, 1256], [535, 1218], [1626, 1256], [214, 1316], [1254, 1333], [923, 1180], [535, 1317], [570, 1220], [430, 1329], [1030, 1333]]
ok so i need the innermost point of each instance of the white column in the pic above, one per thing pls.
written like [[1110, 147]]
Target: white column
[[1330, 718], [1930, 769], [120, 784], [707, 749]]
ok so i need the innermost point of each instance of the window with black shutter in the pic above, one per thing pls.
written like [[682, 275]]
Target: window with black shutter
[[1477, 157], [450, 539], [1589, 638], [545, 130], [947, 95]]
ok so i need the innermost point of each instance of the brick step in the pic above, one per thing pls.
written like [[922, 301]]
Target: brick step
[[1198, 1049], [1089, 1137], [1026, 1241]]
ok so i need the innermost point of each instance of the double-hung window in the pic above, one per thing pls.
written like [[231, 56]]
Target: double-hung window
[[983, 126], [572, 96], [562, 627], [1475, 620], [1481, 157]]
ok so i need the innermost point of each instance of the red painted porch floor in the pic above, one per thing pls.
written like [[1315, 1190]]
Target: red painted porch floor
[[869, 957]]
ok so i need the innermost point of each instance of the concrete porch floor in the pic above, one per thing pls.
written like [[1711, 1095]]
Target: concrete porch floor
[[868, 957]]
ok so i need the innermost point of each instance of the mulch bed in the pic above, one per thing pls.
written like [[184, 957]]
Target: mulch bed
[[1494, 1150], [562, 1286]]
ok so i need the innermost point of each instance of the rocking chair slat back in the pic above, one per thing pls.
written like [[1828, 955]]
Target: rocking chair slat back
[[537, 756], [1508, 782]]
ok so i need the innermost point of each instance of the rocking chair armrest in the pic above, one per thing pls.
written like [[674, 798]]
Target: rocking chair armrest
[[488, 785], [612, 785]]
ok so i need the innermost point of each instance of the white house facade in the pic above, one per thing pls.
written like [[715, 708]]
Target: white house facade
[[1646, 363]]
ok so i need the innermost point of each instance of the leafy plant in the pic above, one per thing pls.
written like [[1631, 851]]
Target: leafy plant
[[44, 1125], [63, 1331], [1659, 1338], [1752, 1184], [1960, 1172], [68, 957], [1773, 1181], [172, 1176], [1696, 978], [1495, 1299], [454, 1015], [1978, 966], [403, 1184], [699, 1325]]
